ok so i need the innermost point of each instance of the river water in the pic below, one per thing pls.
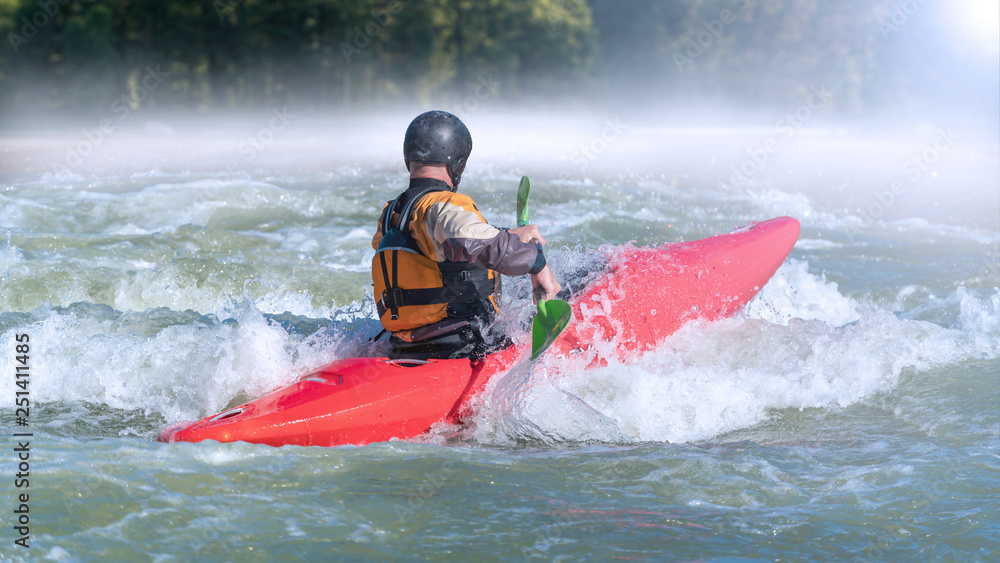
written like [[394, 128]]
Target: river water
[[850, 412]]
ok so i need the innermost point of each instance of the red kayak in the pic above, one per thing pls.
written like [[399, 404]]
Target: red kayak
[[645, 295]]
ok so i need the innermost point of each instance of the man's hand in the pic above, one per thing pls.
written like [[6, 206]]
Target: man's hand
[[544, 284], [528, 233]]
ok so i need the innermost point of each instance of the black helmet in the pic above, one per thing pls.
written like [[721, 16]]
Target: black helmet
[[438, 137]]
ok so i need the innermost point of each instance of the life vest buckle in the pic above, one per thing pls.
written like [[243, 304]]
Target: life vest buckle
[[392, 299]]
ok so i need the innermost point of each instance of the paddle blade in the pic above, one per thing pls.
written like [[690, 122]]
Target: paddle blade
[[522, 201], [552, 317]]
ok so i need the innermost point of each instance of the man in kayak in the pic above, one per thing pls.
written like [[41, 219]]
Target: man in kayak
[[437, 263]]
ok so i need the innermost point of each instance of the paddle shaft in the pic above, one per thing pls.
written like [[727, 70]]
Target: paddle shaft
[[553, 315]]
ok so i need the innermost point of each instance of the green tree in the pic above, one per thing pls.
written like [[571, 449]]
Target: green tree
[[349, 54]]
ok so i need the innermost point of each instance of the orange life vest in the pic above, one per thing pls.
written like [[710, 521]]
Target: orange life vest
[[413, 290]]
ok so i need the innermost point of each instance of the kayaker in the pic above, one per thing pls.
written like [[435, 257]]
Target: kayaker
[[438, 262]]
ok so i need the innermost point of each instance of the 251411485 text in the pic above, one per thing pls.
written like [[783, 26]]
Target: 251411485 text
[[22, 437]]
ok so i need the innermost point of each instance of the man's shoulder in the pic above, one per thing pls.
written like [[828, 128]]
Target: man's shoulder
[[454, 198]]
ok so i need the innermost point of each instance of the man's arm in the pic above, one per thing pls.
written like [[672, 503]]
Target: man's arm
[[464, 237]]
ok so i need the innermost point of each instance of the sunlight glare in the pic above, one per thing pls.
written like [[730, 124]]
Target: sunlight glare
[[979, 22]]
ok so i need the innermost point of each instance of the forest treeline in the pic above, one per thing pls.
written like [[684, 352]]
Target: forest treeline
[[84, 55]]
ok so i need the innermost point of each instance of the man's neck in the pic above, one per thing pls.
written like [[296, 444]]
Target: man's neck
[[435, 172]]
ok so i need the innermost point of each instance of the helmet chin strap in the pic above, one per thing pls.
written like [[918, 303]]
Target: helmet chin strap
[[456, 177]]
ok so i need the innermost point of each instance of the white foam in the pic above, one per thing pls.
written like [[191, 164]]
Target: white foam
[[776, 203], [61, 178], [815, 350], [166, 206], [9, 255], [710, 379], [526, 406], [817, 244], [184, 370], [979, 315], [296, 303], [795, 292]]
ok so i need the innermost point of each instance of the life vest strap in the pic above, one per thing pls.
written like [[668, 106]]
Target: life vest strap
[[472, 285]]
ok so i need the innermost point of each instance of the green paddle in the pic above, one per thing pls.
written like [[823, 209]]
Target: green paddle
[[522, 201], [554, 314], [552, 317]]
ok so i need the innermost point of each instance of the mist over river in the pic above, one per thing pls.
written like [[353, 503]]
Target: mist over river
[[165, 270]]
